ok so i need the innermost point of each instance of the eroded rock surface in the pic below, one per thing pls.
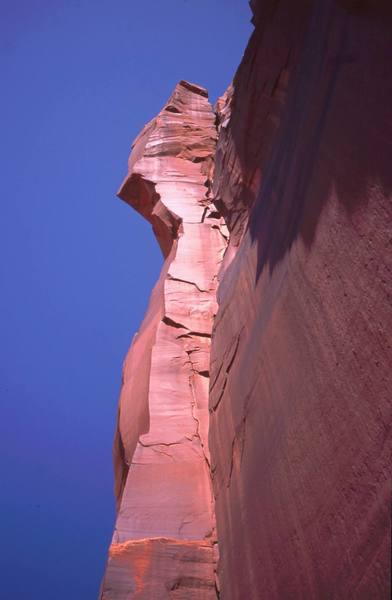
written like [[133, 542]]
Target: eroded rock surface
[[300, 433], [164, 539], [299, 436]]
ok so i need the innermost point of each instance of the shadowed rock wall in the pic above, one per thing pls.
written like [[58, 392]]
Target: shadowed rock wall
[[300, 393]]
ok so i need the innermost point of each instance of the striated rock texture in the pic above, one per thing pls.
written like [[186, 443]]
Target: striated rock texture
[[299, 394], [301, 386], [164, 539]]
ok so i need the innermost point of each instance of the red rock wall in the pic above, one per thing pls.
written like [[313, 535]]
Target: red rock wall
[[299, 429], [300, 393], [164, 543]]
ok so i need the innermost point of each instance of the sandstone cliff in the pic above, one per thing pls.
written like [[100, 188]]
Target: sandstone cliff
[[300, 433], [164, 539], [298, 382]]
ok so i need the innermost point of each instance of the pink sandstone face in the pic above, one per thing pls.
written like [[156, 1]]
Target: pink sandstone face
[[164, 540], [291, 414]]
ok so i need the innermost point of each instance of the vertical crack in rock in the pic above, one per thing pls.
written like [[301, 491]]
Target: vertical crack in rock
[[164, 544]]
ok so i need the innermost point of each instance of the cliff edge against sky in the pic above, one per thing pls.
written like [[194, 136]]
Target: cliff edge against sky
[[256, 463], [165, 540]]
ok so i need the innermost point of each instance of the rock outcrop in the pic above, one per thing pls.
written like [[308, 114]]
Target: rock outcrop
[[300, 433], [164, 539], [298, 385]]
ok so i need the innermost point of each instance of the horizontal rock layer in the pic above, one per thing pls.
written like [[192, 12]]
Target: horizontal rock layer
[[164, 543], [300, 432], [161, 568]]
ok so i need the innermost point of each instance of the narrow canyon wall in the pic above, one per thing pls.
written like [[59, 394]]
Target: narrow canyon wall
[[300, 432], [274, 216], [164, 540]]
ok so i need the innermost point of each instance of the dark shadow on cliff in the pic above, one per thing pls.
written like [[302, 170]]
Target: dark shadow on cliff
[[333, 120]]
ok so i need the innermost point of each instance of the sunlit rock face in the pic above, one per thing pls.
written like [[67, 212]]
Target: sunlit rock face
[[289, 411], [300, 392], [164, 543]]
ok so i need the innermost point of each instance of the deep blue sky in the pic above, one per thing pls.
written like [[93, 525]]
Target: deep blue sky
[[79, 80]]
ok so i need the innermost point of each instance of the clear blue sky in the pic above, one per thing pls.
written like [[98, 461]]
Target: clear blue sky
[[79, 80]]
